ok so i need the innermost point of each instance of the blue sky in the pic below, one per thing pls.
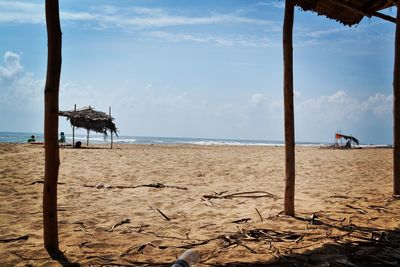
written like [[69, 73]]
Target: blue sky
[[210, 68]]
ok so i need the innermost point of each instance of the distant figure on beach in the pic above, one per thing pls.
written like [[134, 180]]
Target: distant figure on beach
[[62, 138], [32, 139], [348, 144]]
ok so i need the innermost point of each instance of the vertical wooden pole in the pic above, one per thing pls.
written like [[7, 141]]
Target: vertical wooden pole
[[87, 138], [396, 109], [289, 110], [109, 112], [73, 130], [51, 95]]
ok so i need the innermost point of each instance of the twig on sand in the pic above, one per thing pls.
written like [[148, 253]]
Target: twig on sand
[[259, 214], [7, 240], [242, 220], [248, 194], [142, 226], [164, 216], [360, 210], [41, 182], [208, 203], [118, 224]]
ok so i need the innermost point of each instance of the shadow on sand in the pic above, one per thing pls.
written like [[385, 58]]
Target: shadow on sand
[[62, 259], [382, 248]]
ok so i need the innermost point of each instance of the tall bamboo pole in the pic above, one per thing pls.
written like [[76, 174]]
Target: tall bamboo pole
[[396, 109], [289, 110], [73, 130], [51, 93], [109, 112]]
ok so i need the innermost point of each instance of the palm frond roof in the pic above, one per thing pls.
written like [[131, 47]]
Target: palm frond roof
[[90, 119]]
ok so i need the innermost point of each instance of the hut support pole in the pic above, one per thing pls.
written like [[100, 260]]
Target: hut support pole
[[396, 110], [109, 112], [289, 110], [73, 130], [51, 94], [87, 138]]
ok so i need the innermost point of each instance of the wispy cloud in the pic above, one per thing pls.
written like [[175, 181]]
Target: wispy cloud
[[221, 41], [21, 12], [276, 4], [113, 16]]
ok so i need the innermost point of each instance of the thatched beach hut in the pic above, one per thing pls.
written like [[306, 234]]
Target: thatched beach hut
[[92, 120], [349, 13]]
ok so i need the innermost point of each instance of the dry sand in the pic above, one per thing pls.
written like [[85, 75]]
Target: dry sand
[[346, 214]]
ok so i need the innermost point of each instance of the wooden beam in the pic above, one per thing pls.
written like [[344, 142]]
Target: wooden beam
[[289, 109], [87, 138], [51, 94], [73, 130], [383, 16], [109, 113], [396, 110], [375, 13]]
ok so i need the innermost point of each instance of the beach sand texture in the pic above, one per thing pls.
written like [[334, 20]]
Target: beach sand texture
[[110, 215]]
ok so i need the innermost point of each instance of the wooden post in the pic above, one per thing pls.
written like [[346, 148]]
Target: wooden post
[[289, 110], [73, 130], [109, 112], [51, 94], [396, 109], [87, 138]]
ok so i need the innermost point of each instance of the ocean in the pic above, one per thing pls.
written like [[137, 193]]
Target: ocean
[[14, 137]]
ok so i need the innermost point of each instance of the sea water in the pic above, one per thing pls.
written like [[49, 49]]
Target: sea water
[[15, 137]]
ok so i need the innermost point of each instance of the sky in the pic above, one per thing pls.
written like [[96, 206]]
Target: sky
[[207, 69]]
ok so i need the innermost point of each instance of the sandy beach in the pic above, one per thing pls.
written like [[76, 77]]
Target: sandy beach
[[143, 205]]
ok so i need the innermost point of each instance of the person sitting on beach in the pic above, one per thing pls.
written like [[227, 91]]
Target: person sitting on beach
[[348, 144], [62, 138], [32, 139]]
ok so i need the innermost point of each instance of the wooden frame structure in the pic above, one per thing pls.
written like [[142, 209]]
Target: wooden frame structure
[[347, 12]]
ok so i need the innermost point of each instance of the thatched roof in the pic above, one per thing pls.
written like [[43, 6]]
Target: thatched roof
[[90, 119], [348, 12]]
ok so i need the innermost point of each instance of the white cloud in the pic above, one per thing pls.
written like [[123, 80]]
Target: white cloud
[[257, 99], [369, 119], [277, 4], [112, 16], [380, 104], [12, 66], [220, 41], [341, 106], [19, 89], [21, 12]]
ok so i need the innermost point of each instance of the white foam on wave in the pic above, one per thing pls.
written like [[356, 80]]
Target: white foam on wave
[[227, 143]]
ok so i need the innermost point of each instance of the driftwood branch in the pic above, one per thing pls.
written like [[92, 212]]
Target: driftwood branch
[[41, 182], [249, 194], [7, 240], [154, 185]]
